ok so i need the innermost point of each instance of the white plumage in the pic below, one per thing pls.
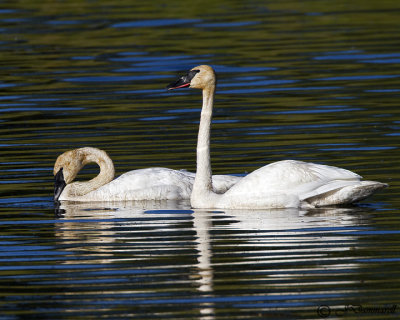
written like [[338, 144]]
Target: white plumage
[[283, 184], [155, 184], [290, 183]]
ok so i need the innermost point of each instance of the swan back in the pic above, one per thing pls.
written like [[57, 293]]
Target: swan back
[[303, 179], [292, 183], [293, 175]]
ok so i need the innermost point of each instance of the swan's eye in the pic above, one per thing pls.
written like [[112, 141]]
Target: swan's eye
[[191, 74]]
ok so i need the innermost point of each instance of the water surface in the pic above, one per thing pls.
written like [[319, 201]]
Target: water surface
[[314, 81]]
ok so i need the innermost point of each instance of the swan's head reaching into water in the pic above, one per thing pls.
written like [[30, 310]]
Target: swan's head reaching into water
[[200, 77], [68, 165], [71, 162]]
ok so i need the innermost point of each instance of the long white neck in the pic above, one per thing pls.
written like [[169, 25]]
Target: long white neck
[[90, 155], [202, 187]]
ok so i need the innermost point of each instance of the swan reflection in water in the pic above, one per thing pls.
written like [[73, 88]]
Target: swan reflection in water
[[150, 233]]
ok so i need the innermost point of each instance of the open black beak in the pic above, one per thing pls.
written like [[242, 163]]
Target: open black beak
[[59, 184], [183, 81]]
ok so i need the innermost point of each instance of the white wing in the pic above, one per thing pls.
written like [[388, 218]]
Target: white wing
[[293, 183], [290, 176]]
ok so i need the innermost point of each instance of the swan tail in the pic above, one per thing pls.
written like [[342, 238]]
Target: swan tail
[[346, 195]]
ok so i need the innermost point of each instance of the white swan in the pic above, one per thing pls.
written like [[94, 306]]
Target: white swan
[[282, 184], [141, 184]]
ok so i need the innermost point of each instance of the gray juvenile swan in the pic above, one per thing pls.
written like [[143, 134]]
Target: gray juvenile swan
[[141, 184], [282, 184]]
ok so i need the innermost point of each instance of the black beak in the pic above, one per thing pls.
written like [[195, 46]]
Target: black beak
[[59, 184], [183, 81]]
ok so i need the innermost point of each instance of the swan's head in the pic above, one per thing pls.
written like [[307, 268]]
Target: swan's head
[[71, 162], [200, 77], [65, 170]]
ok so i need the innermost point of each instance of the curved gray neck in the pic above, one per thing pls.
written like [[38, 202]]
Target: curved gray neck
[[106, 169], [90, 155]]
